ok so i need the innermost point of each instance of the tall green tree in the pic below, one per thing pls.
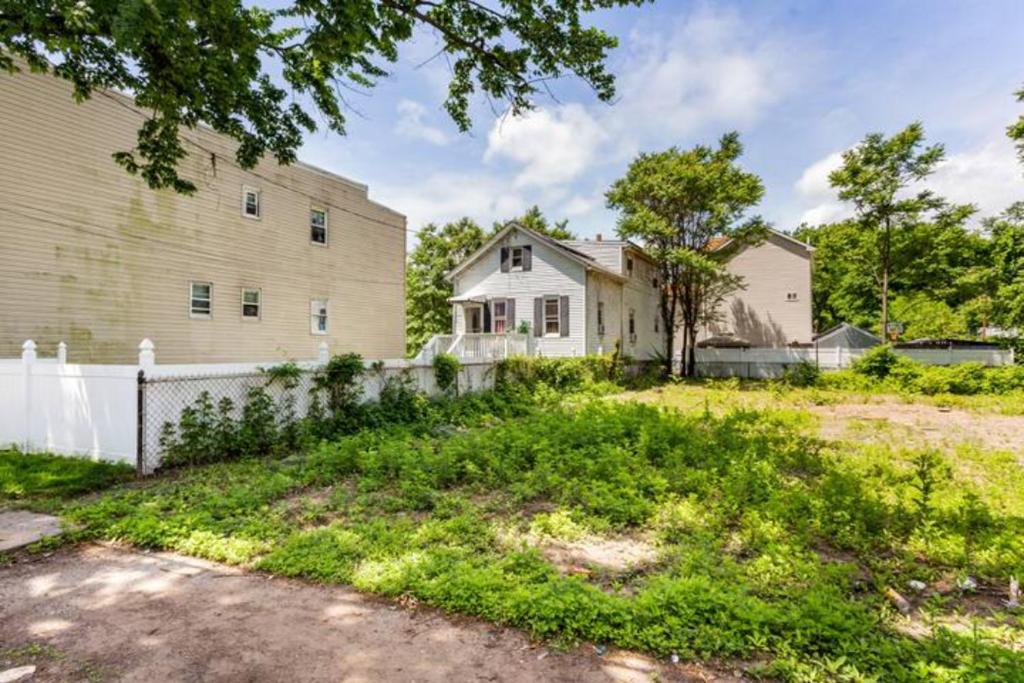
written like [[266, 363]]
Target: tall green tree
[[211, 61], [881, 178], [936, 265], [675, 202], [439, 250], [1006, 233]]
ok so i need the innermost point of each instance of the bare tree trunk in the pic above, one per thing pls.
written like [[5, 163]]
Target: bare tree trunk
[[886, 265], [885, 304], [691, 358]]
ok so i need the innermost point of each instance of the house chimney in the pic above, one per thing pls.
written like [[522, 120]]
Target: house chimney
[[598, 237]]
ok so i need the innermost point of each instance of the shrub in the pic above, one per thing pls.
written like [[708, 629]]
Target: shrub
[[802, 374], [878, 362], [561, 374], [446, 372]]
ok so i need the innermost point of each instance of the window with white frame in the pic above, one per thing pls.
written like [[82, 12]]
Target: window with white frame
[[250, 202], [317, 226], [792, 296], [318, 316], [499, 316], [252, 303], [517, 258], [200, 299], [552, 316]]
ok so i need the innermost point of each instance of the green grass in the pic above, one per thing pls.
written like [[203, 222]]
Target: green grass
[[770, 546], [27, 478]]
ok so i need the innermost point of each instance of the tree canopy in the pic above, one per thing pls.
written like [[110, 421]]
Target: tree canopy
[[882, 178], [675, 202], [264, 77]]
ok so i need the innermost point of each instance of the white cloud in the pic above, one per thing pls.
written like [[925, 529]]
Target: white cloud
[[553, 145], [813, 187], [711, 69], [989, 176], [578, 205], [411, 124], [444, 197]]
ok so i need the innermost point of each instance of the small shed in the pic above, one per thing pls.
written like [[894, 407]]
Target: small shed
[[846, 336]]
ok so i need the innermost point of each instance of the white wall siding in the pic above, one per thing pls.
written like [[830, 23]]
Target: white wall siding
[[551, 274], [606, 290], [640, 295]]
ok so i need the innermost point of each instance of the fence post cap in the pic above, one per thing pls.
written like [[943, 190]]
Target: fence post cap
[[146, 345], [29, 345]]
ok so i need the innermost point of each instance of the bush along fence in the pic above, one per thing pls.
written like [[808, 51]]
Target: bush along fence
[[154, 415], [770, 363]]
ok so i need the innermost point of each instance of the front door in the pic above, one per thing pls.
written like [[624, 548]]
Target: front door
[[474, 319]]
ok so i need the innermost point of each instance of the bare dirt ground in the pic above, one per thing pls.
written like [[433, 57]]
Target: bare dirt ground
[[100, 613], [915, 424]]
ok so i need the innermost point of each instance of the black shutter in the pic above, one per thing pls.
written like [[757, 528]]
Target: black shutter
[[563, 310], [510, 315], [487, 317], [504, 260], [527, 258], [538, 317]]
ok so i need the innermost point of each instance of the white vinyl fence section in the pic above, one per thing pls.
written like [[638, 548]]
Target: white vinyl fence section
[[116, 412], [766, 363]]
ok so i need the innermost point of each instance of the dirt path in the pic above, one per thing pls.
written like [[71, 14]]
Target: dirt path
[[913, 424], [99, 613]]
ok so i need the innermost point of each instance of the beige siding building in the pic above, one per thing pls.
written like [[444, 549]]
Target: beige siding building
[[257, 265], [774, 307]]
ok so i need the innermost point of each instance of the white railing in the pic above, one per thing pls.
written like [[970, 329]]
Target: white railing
[[470, 348], [771, 362]]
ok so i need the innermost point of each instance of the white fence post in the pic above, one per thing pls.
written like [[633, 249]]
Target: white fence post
[[147, 354], [323, 352], [28, 358], [62, 353]]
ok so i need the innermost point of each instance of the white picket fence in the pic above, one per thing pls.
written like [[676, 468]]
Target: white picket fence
[[98, 411], [766, 363]]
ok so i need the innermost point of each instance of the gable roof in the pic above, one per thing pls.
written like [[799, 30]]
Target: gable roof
[[843, 328], [722, 241], [585, 260]]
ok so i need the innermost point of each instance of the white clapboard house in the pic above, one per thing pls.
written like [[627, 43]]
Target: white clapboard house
[[525, 293]]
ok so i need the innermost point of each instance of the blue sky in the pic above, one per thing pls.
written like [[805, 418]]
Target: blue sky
[[800, 81]]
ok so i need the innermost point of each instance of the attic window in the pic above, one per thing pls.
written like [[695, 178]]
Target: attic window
[[629, 265], [517, 258]]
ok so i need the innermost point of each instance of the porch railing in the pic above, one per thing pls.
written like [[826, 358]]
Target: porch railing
[[475, 347]]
